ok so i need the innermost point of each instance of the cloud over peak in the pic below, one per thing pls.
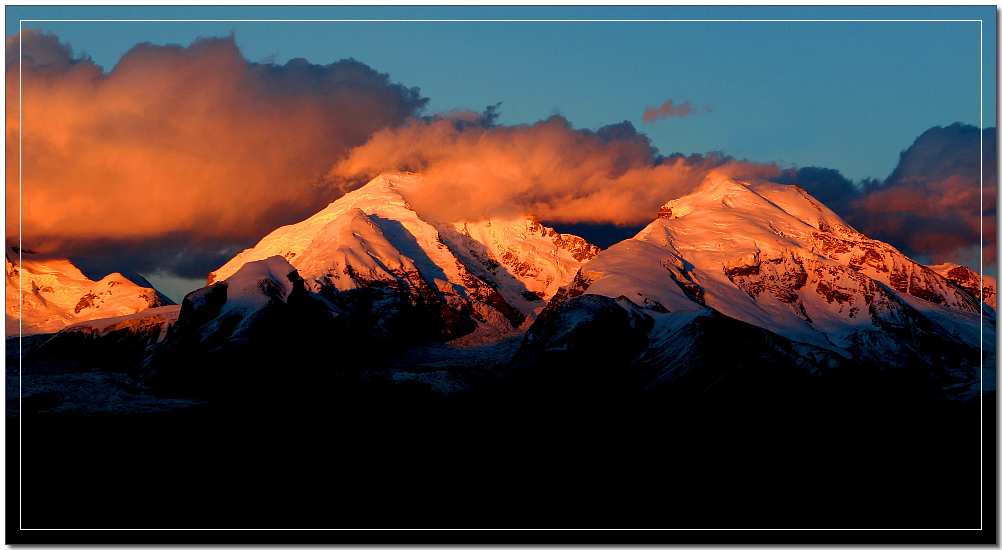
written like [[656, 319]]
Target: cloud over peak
[[549, 169]]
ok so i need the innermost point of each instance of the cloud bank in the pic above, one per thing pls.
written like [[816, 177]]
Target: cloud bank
[[180, 147], [558, 173]]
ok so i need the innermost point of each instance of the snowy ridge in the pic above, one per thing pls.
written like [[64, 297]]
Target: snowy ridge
[[57, 294], [498, 272], [162, 317]]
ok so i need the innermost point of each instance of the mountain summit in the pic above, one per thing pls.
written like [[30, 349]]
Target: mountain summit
[[483, 279]]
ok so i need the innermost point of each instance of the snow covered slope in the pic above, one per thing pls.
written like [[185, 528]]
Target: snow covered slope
[[56, 294], [496, 273], [969, 280]]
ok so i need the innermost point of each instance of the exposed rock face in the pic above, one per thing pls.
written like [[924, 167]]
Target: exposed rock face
[[969, 280], [580, 249], [48, 295]]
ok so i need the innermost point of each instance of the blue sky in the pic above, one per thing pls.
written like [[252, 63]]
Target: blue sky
[[848, 95]]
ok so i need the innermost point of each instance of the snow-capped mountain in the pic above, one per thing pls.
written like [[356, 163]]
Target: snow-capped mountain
[[56, 294], [484, 279], [969, 280], [773, 257]]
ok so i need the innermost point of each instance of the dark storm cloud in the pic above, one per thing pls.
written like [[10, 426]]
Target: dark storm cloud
[[930, 204]]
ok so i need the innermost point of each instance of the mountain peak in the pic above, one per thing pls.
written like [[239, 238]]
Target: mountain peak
[[774, 256], [498, 272]]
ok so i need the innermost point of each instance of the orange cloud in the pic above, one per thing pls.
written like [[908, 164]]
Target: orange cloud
[[549, 169], [180, 142]]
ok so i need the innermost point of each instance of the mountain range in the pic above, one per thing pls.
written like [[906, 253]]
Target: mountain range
[[738, 284]]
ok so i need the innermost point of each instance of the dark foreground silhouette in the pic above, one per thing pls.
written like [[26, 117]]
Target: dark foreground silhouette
[[406, 460], [567, 431]]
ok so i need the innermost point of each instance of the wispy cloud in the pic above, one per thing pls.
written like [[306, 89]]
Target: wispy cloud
[[671, 109]]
